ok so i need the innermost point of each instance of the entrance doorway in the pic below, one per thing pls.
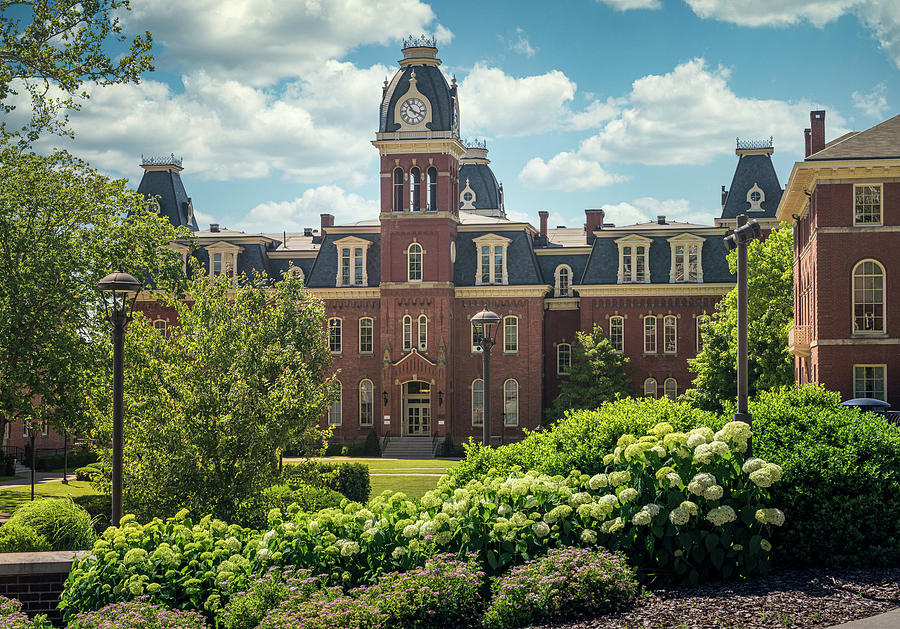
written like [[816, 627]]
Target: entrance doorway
[[417, 409]]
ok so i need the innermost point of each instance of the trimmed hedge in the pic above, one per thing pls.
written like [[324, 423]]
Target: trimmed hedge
[[350, 479], [56, 461]]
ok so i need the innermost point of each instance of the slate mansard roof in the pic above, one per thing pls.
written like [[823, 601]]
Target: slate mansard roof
[[431, 83], [162, 181], [754, 172]]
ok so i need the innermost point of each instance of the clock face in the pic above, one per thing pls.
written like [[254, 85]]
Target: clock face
[[412, 111]]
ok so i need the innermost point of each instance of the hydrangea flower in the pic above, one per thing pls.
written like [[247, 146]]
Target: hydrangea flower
[[703, 453], [721, 515], [752, 464], [540, 529], [765, 545], [701, 482], [598, 481], [679, 517], [588, 536], [662, 428], [619, 478], [713, 493], [770, 516], [627, 495], [612, 526]]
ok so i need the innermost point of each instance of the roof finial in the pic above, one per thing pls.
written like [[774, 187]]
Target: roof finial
[[453, 82]]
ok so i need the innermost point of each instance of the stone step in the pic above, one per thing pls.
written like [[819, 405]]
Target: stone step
[[409, 448]]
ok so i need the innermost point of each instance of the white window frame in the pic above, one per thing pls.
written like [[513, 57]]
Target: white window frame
[[229, 258], [628, 247], [363, 392], [687, 241], [861, 393], [880, 188], [702, 320], [409, 262], [558, 289], [559, 354], [371, 326], [510, 321], [422, 333], [45, 429], [492, 241], [336, 410], [670, 322], [511, 402], [879, 331], [350, 243], [162, 329], [654, 337], [651, 382], [674, 393], [406, 332], [613, 320], [477, 408], [340, 335]]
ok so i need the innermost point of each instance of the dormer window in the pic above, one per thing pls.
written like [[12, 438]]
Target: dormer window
[[686, 264], [755, 197], [432, 189], [491, 253], [467, 197], [352, 261], [634, 265], [223, 259], [563, 281]]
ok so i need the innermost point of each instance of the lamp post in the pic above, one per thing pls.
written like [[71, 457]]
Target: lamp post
[[119, 290], [745, 232], [486, 325]]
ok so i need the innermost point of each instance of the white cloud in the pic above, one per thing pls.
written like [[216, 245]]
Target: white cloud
[[596, 113], [519, 44], [566, 171], [647, 209], [883, 18], [262, 41], [626, 5], [304, 211], [498, 104], [874, 104]]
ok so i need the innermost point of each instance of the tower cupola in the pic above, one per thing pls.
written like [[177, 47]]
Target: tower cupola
[[162, 185], [479, 191]]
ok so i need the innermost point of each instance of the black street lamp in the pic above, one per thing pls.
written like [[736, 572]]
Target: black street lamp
[[486, 325], [745, 232], [118, 290]]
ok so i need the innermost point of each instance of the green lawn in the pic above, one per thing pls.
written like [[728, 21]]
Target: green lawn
[[12, 497]]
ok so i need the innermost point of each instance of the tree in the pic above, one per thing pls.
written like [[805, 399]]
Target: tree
[[51, 48], [63, 226], [597, 374], [770, 313], [210, 404]]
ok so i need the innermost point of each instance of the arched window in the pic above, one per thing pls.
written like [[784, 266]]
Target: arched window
[[650, 387], [335, 338], [398, 190], [366, 403], [510, 403], [563, 358], [510, 334], [650, 334], [414, 262], [407, 333], [868, 298], [160, 326], [334, 411], [366, 334], [432, 188], [415, 189], [670, 334], [617, 332], [563, 281], [423, 333], [670, 388], [478, 402]]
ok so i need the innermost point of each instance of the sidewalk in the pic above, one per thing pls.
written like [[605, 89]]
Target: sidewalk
[[887, 620], [39, 477]]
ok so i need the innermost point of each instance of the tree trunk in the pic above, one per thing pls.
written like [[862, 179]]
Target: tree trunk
[[65, 457]]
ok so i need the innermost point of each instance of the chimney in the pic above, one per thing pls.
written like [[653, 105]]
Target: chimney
[[807, 141], [661, 219], [724, 195], [544, 216], [327, 221], [817, 127], [214, 227], [593, 222]]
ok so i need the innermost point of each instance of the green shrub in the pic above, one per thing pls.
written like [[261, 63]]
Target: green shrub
[[65, 525], [350, 479], [19, 538], [137, 615], [579, 440], [841, 477], [255, 513], [566, 583], [372, 446], [57, 461], [266, 592], [87, 473], [99, 506], [12, 616]]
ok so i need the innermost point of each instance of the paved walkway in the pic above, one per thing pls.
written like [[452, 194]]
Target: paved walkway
[[888, 620], [39, 477]]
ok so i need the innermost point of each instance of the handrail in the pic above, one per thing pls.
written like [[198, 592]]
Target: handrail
[[385, 440], [435, 443]]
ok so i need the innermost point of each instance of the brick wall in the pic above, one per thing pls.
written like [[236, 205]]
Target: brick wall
[[36, 579]]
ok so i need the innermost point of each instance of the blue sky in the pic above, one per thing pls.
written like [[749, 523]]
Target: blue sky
[[629, 105]]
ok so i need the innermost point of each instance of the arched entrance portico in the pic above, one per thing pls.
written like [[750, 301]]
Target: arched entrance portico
[[416, 397]]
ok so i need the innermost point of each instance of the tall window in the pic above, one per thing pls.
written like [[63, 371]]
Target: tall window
[[491, 251], [670, 388], [478, 402], [335, 340], [414, 262], [160, 326], [510, 403], [366, 334], [868, 381], [650, 334], [867, 204], [685, 262], [217, 264], [432, 188], [650, 387], [415, 189], [398, 190], [702, 320], [335, 412], [366, 403], [670, 334], [407, 333], [510, 334], [563, 358], [357, 266], [423, 333], [633, 264], [345, 266], [352, 261], [617, 333], [868, 297], [563, 281]]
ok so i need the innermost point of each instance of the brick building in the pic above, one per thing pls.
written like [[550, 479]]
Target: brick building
[[844, 202], [400, 288]]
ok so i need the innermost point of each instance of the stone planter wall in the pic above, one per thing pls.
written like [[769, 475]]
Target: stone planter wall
[[36, 579]]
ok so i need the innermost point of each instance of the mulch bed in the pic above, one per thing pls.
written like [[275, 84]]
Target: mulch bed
[[790, 599]]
